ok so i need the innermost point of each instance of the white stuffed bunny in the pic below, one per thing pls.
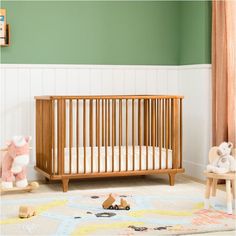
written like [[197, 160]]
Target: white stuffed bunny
[[224, 163]]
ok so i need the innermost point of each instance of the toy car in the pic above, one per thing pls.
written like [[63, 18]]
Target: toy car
[[107, 204], [26, 211], [123, 205]]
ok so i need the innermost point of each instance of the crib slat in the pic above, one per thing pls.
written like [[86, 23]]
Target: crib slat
[[144, 121], [43, 161], [109, 123], [115, 123], [99, 147], [77, 136], [91, 133], [146, 134], [126, 133], [169, 125], [120, 132], [139, 101], [180, 141], [45, 130], [167, 130], [61, 121], [106, 103], [153, 132], [103, 122], [133, 134], [39, 133], [70, 130], [172, 132], [157, 122], [113, 131], [148, 118], [139, 134], [96, 122], [175, 132], [84, 132], [53, 137], [47, 152], [160, 130], [163, 123], [64, 135]]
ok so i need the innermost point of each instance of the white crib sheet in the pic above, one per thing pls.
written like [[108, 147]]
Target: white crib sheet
[[116, 159]]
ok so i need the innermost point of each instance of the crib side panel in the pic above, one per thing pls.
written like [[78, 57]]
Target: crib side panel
[[44, 135]]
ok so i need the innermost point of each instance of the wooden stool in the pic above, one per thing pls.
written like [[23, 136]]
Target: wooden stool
[[211, 184]]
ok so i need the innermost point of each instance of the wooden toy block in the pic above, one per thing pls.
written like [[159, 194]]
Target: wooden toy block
[[107, 204], [26, 211]]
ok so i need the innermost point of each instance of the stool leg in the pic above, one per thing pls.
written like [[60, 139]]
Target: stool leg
[[214, 187], [207, 193], [234, 193], [229, 198]]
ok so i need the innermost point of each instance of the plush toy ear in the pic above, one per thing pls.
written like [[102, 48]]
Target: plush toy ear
[[28, 138], [230, 145]]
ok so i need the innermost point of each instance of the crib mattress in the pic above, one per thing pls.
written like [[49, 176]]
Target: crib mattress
[[164, 164]]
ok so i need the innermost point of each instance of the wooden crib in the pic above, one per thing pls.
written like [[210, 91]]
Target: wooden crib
[[102, 136]]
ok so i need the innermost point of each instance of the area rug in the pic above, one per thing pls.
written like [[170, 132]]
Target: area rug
[[155, 210]]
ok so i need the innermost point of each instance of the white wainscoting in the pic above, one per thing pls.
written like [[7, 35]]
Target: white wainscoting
[[195, 85], [20, 83]]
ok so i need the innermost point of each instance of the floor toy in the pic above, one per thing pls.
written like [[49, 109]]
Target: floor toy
[[31, 186], [14, 162], [26, 211], [123, 205], [107, 204]]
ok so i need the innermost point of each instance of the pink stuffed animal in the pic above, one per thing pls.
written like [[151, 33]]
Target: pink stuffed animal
[[15, 161]]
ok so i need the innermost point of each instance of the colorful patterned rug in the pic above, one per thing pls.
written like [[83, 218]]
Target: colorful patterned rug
[[159, 209]]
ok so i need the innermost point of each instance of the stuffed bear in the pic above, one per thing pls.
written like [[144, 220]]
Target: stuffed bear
[[224, 163], [15, 161]]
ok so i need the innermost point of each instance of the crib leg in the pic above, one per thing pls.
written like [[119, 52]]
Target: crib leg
[[47, 180], [65, 182], [172, 179]]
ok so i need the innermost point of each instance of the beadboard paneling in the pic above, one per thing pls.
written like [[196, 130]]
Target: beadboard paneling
[[195, 85], [20, 83]]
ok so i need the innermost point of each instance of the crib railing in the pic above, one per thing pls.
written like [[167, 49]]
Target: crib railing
[[75, 122]]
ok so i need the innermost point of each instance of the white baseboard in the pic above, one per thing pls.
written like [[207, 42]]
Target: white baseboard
[[194, 169], [32, 174]]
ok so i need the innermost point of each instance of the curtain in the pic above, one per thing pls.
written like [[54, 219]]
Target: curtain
[[224, 71]]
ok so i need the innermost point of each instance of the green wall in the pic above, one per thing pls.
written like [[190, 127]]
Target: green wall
[[147, 33], [195, 32]]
